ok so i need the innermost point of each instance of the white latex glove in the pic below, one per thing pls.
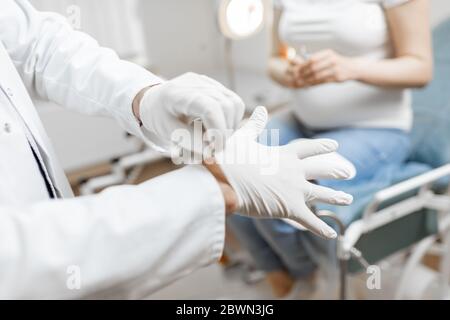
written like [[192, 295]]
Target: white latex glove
[[272, 182], [176, 104]]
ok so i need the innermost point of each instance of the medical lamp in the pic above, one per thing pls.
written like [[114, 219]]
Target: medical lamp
[[240, 19]]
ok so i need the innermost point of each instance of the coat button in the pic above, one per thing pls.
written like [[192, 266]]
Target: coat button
[[9, 92], [7, 127]]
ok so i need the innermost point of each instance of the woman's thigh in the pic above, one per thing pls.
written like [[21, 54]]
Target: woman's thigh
[[370, 150]]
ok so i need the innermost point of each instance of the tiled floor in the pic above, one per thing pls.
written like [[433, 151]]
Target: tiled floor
[[212, 283]]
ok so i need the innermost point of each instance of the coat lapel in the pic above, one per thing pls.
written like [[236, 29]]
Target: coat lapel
[[16, 92], [18, 95]]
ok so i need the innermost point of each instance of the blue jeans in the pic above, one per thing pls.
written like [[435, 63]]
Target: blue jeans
[[377, 155]]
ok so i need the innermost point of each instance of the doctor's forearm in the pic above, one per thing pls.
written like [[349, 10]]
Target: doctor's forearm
[[131, 233]]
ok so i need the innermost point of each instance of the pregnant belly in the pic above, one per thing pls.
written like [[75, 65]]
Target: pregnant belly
[[345, 104]]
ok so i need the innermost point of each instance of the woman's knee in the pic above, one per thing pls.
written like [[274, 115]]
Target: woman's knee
[[371, 149], [274, 227], [241, 223]]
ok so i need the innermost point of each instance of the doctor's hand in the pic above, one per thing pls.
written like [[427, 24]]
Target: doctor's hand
[[176, 104], [273, 182]]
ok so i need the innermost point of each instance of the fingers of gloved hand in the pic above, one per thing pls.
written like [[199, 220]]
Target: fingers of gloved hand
[[233, 109], [236, 109], [327, 195], [305, 148], [255, 125], [192, 81], [181, 139], [227, 107], [328, 166], [310, 221]]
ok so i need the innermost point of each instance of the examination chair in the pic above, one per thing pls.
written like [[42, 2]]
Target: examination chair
[[413, 215]]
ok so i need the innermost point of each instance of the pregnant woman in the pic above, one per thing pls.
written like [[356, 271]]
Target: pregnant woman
[[355, 61]]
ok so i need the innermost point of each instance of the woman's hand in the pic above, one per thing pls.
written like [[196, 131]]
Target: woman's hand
[[327, 66], [293, 73], [287, 72]]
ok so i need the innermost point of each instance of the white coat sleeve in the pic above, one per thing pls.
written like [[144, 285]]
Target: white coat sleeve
[[136, 237], [68, 67]]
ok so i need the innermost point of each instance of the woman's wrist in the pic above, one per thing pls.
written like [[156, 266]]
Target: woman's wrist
[[356, 67]]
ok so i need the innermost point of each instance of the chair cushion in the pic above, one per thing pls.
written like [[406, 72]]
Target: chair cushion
[[410, 170], [431, 130]]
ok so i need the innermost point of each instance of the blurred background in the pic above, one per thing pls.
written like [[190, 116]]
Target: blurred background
[[168, 37]]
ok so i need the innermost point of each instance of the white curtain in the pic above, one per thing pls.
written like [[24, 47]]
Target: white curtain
[[114, 23]]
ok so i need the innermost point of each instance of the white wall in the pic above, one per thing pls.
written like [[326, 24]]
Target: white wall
[[112, 22], [176, 36], [181, 36], [440, 10]]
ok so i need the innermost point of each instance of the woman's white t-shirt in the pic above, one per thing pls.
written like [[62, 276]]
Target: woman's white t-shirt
[[351, 28]]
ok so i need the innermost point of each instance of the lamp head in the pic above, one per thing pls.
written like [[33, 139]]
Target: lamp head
[[239, 19]]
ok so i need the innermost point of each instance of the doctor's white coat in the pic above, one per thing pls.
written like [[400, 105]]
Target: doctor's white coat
[[129, 240]]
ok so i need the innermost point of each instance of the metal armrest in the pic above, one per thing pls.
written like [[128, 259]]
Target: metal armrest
[[422, 182], [425, 198]]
